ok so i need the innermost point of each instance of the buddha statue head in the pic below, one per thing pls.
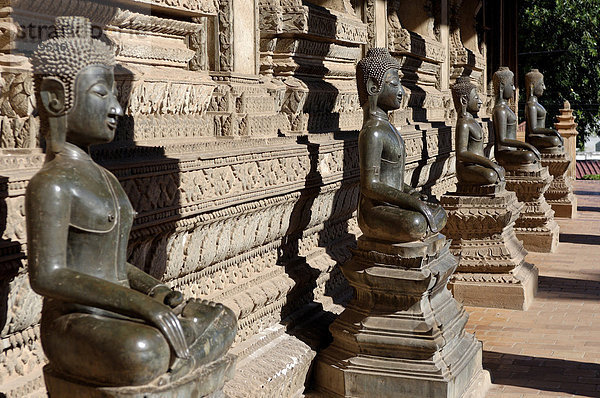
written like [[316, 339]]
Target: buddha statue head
[[534, 83], [504, 83], [378, 81], [465, 97], [74, 77]]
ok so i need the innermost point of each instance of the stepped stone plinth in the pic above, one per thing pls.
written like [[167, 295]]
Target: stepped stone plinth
[[403, 333], [535, 226], [491, 270], [560, 193]]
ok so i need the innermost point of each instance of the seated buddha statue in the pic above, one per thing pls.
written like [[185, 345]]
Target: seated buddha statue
[[472, 166], [388, 210], [509, 151], [104, 321], [544, 139]]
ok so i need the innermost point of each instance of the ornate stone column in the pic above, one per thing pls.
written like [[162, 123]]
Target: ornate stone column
[[560, 194], [567, 127], [491, 271]]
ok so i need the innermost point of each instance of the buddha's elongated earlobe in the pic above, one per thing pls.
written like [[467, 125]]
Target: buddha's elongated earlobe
[[373, 103], [463, 106], [56, 138]]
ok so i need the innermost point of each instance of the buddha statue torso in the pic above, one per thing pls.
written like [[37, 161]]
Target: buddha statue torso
[[511, 127], [509, 152], [389, 210], [100, 215], [544, 139], [473, 168]]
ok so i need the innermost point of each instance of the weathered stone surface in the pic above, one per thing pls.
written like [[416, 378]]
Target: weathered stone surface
[[560, 193], [535, 226], [403, 333], [220, 191]]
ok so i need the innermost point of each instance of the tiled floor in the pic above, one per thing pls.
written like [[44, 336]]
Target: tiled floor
[[553, 349]]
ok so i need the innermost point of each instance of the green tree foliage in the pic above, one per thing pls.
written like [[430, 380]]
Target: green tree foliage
[[561, 38]]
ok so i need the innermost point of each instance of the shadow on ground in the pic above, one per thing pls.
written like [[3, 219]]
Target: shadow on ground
[[546, 374], [567, 288], [583, 193], [588, 208], [580, 239]]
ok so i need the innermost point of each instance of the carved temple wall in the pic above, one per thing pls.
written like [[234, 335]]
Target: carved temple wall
[[238, 150]]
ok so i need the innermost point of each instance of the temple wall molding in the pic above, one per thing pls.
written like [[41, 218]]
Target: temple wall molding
[[238, 150]]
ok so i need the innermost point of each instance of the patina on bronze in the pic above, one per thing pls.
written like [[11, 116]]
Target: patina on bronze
[[389, 209], [545, 139], [472, 166], [509, 151], [104, 321]]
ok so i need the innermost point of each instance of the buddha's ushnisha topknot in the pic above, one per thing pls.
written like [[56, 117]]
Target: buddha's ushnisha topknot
[[71, 50], [502, 76], [377, 62], [461, 88]]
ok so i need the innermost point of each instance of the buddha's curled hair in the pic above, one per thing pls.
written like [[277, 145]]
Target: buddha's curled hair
[[71, 50], [377, 62], [461, 88]]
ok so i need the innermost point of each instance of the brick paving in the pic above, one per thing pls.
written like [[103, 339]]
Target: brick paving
[[553, 349]]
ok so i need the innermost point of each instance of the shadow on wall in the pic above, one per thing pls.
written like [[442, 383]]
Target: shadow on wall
[[150, 192]]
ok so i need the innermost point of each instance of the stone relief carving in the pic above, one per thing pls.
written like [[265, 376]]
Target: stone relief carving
[[178, 115]]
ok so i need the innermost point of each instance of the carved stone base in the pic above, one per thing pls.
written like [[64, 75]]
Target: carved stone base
[[204, 382], [403, 333], [560, 193], [491, 256], [535, 226], [515, 290]]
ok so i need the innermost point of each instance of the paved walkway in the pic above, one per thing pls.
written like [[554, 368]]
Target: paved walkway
[[553, 349]]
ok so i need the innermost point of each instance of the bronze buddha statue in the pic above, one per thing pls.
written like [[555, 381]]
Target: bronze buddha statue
[[544, 139], [509, 151], [389, 210], [104, 321], [472, 166]]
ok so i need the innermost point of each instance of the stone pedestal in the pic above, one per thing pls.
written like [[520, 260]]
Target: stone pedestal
[[560, 193], [403, 333], [491, 270], [205, 382], [535, 226]]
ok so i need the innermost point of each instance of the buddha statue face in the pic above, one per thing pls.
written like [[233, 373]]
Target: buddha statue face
[[509, 89], [378, 81], [93, 118], [539, 87], [504, 83], [390, 93], [75, 78], [466, 99], [473, 102], [534, 83]]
